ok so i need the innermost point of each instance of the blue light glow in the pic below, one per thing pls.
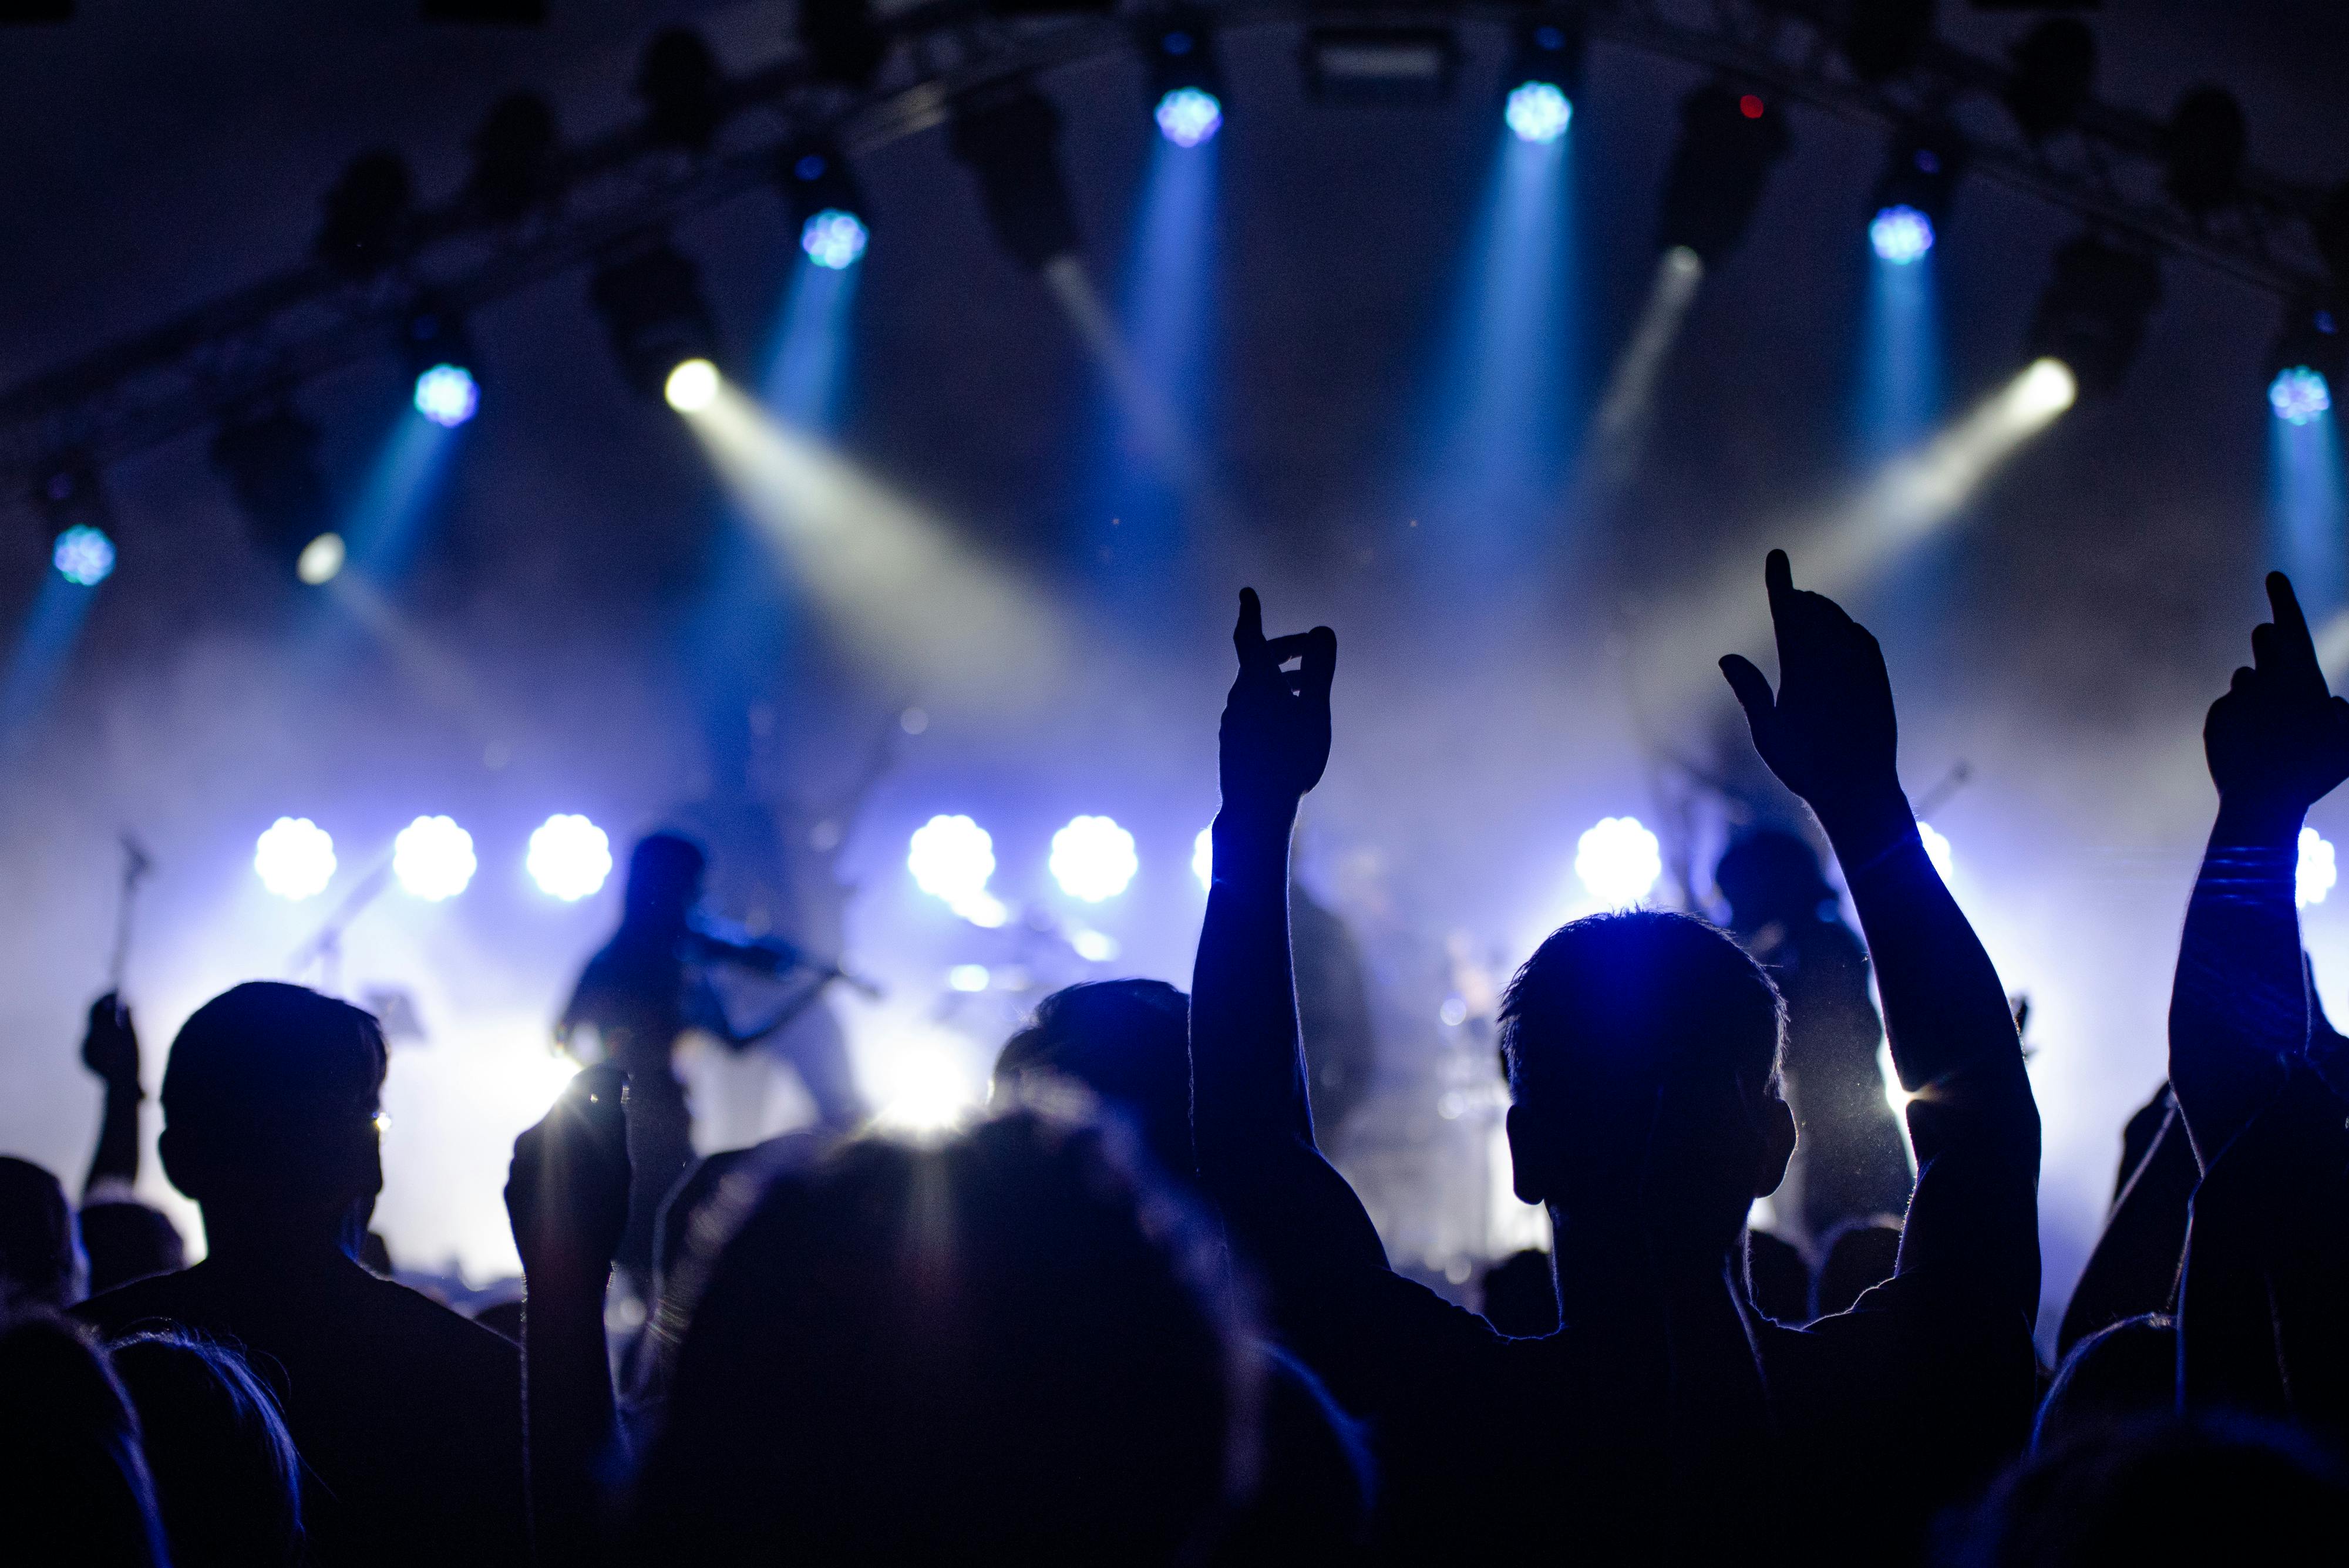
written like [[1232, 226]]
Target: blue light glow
[[1188, 116], [1900, 235], [84, 554], [569, 857], [446, 395], [833, 239], [2298, 395], [1538, 111], [1093, 858], [1619, 861], [951, 859], [294, 859], [433, 858]]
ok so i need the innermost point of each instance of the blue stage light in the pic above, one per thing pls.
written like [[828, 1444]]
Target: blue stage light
[[951, 859], [83, 556], [1538, 111], [447, 395], [1619, 861], [2298, 395], [433, 858], [1203, 858], [294, 859], [1093, 858], [569, 857], [1900, 235], [833, 239], [1188, 116], [2318, 870]]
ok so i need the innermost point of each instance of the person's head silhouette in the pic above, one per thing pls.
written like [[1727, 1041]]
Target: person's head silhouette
[[73, 1486], [664, 881], [226, 1475], [1770, 874], [1005, 1346], [270, 1102], [40, 1264], [1128, 1042], [1642, 1055]]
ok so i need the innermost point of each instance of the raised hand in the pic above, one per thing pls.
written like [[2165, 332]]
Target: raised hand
[[110, 1047], [2278, 741], [1275, 740], [1828, 733], [567, 1189]]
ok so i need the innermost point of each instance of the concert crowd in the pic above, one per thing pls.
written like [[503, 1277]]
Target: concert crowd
[[1134, 1315]]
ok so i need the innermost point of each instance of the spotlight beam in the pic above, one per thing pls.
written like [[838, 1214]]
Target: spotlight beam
[[900, 585], [1148, 414], [1618, 429]]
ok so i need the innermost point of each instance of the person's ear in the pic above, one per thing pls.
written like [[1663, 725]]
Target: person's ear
[[1529, 1161], [1777, 1145], [183, 1166]]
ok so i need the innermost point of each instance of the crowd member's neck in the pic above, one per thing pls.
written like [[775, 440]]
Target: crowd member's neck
[[1605, 1274], [283, 1236]]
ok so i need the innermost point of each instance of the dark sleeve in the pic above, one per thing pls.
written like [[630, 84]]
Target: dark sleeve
[[2238, 1006], [2134, 1269], [1974, 1222]]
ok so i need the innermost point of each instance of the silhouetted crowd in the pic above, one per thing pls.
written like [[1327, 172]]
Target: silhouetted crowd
[[1135, 1315]]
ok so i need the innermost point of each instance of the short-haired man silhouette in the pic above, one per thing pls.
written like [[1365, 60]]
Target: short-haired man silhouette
[[409, 1416]]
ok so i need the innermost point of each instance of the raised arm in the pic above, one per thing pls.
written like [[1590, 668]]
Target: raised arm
[[110, 1048], [2277, 742], [567, 1199], [1830, 735], [1250, 1119]]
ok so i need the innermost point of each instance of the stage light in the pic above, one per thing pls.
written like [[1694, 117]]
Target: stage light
[[654, 312], [1203, 858], [951, 859], [925, 1087], [433, 858], [1380, 66], [1187, 116], [1187, 78], [83, 556], [1936, 849], [2054, 65], [1619, 861], [1543, 74], [2299, 394], [1093, 947], [1537, 111], [270, 462], [1093, 858], [967, 977], [294, 857], [2204, 144], [2316, 873], [682, 89], [370, 215], [321, 561], [691, 387], [1008, 137], [2092, 314], [1900, 235], [446, 395], [1727, 143], [833, 239], [569, 857], [513, 157]]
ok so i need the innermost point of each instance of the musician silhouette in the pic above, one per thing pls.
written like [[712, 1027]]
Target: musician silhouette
[[651, 984]]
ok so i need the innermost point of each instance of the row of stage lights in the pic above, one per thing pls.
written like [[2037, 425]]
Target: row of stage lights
[[432, 858], [2091, 316]]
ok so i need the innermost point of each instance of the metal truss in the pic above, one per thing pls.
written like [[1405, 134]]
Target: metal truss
[[261, 342]]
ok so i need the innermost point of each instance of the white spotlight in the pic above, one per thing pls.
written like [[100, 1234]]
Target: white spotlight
[[951, 859], [321, 560], [1619, 861], [569, 857], [1093, 858], [294, 857], [2046, 389], [1936, 849], [926, 1087], [1203, 858], [2317, 871], [691, 387], [433, 858]]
